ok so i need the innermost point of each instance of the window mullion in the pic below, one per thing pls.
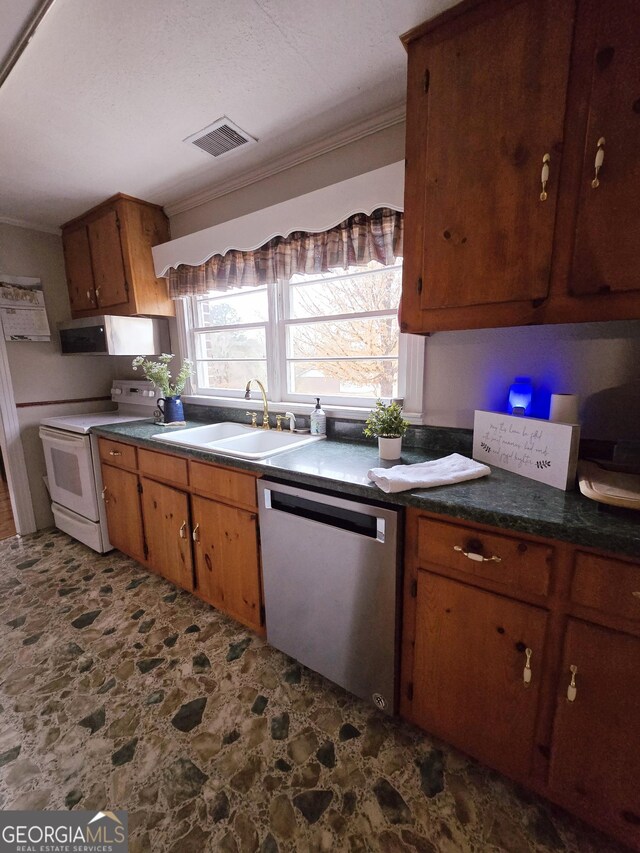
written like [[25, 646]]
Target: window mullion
[[274, 380]]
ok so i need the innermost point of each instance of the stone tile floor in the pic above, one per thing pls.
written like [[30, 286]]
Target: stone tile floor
[[117, 690]]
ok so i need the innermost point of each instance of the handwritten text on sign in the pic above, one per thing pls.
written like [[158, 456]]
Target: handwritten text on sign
[[539, 449]]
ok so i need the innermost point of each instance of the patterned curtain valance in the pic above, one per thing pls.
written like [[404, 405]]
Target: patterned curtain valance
[[355, 242]]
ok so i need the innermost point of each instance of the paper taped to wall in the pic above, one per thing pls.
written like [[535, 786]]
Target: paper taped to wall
[[22, 309]]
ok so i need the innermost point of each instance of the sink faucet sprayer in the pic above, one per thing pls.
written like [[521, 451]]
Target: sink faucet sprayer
[[265, 412]]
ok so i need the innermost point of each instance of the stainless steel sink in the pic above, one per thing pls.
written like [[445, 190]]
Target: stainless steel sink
[[243, 442]]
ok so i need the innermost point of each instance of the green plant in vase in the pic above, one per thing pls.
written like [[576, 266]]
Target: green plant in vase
[[158, 373], [386, 423]]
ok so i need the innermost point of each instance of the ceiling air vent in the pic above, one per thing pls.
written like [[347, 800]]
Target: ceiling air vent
[[220, 138]]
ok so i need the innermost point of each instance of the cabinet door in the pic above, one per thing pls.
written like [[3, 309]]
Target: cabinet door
[[595, 753], [77, 259], [468, 678], [108, 265], [486, 103], [124, 518], [607, 246], [166, 524], [227, 560]]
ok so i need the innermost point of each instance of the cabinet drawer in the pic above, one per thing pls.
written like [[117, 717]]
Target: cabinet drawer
[[163, 466], [116, 453], [221, 483], [522, 565], [610, 586]]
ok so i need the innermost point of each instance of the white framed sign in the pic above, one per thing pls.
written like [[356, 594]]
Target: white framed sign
[[535, 448]]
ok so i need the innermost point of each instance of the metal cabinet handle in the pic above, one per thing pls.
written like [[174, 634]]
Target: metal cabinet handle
[[183, 530], [636, 594], [544, 177], [572, 690], [89, 299], [115, 453], [479, 558], [97, 292], [195, 533], [595, 183], [526, 675], [104, 495]]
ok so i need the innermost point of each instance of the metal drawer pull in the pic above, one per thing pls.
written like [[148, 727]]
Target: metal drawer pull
[[572, 689], [89, 299], [104, 495], [194, 533], [544, 177], [526, 675], [595, 183], [115, 453], [636, 594], [471, 555], [183, 530]]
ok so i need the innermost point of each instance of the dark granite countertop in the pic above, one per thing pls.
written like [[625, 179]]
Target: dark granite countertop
[[502, 499]]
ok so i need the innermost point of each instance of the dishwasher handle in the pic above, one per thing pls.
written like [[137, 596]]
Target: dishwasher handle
[[359, 523]]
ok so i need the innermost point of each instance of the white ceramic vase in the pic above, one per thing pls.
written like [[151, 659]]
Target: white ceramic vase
[[389, 448]]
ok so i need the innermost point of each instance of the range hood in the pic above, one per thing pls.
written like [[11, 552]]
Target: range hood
[[111, 335]]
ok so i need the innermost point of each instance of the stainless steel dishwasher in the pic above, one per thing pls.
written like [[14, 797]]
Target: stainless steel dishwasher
[[330, 569]]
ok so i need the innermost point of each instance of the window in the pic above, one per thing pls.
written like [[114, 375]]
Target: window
[[333, 335]]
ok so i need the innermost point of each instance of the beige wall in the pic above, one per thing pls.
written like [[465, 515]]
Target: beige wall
[[371, 152], [472, 370], [38, 371], [598, 361]]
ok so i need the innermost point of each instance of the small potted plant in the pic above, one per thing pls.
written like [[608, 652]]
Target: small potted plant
[[157, 372], [387, 424]]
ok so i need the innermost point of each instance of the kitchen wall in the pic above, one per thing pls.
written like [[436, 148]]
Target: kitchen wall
[[371, 152], [473, 370], [598, 361], [39, 372]]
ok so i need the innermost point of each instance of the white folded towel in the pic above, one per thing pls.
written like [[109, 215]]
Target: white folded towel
[[423, 475]]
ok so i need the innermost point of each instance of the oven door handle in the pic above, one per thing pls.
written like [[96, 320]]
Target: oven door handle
[[54, 436]]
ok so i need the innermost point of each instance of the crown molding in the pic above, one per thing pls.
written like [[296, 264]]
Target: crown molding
[[23, 223], [379, 121]]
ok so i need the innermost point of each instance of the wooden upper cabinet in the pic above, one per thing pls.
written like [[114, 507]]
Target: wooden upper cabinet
[[606, 255], [109, 261], [77, 259], [486, 106], [595, 753], [106, 255], [493, 87]]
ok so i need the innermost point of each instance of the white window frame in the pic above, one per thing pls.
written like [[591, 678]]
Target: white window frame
[[410, 363]]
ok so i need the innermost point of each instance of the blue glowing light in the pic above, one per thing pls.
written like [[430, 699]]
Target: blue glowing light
[[520, 395]]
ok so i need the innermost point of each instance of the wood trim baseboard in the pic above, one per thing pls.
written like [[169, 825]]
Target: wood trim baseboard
[[61, 402]]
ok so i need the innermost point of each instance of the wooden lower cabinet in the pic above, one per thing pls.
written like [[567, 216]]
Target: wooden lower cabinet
[[469, 682], [469, 616], [227, 560], [165, 513], [124, 518], [595, 750], [205, 545]]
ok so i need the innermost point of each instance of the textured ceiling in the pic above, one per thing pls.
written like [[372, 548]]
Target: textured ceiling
[[104, 94]]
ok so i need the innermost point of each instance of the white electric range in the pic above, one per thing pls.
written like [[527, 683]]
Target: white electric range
[[71, 454]]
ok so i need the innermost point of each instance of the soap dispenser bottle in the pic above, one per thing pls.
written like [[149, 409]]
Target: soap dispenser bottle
[[318, 420]]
